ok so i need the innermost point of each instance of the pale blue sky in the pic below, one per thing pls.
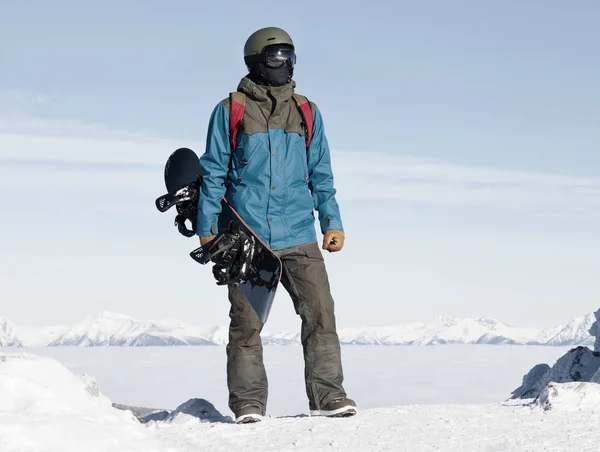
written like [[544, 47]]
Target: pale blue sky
[[478, 122], [511, 83]]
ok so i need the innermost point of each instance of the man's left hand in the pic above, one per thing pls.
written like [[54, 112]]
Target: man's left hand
[[333, 241]]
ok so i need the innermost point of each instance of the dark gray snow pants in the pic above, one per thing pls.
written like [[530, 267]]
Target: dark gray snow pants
[[305, 278]]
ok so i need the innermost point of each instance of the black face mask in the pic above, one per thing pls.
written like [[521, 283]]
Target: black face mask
[[264, 75]]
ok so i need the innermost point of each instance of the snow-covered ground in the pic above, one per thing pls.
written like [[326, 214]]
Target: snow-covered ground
[[450, 428], [46, 408]]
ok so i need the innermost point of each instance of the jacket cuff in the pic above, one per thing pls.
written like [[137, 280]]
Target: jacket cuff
[[207, 230], [328, 224]]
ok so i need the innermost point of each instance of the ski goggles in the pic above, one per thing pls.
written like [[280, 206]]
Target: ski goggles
[[274, 57]]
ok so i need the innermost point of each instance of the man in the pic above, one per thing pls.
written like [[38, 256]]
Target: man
[[275, 182]]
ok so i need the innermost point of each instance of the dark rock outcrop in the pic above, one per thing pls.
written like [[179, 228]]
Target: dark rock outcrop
[[530, 380], [200, 409], [578, 365]]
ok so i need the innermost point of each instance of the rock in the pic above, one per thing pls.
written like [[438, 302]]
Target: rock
[[144, 414], [530, 380], [199, 409], [157, 415], [577, 365], [193, 410]]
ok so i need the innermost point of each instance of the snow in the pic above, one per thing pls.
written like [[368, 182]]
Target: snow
[[8, 335], [569, 397], [46, 408], [449, 330], [39, 337], [457, 428], [595, 330], [114, 329], [577, 331]]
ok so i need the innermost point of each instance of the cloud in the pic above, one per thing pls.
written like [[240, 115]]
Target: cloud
[[405, 180], [29, 98], [67, 128], [43, 141], [426, 182]]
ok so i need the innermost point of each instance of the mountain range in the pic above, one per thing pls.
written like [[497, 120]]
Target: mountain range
[[113, 329]]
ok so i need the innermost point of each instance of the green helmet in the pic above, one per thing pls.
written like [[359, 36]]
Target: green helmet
[[265, 37]]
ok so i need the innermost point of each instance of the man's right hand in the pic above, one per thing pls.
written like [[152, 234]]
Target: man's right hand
[[205, 240]]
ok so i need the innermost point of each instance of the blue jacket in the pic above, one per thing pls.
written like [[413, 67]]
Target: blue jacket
[[275, 183]]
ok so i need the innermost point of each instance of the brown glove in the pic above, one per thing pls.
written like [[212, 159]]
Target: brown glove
[[205, 240], [333, 241]]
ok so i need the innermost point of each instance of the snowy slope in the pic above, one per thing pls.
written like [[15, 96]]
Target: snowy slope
[[577, 331], [446, 330], [451, 428], [39, 337], [8, 334], [108, 328], [113, 329], [215, 334], [45, 408]]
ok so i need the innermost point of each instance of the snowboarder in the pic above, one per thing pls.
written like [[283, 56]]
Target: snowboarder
[[272, 163]]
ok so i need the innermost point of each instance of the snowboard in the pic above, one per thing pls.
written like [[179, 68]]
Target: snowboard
[[239, 255]]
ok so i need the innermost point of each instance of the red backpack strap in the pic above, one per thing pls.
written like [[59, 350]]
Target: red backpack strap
[[307, 115], [236, 114]]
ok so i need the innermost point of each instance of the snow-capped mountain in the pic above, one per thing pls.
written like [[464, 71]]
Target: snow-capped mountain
[[39, 337], [215, 334], [577, 331], [446, 330], [108, 328], [282, 337], [8, 335], [112, 329]]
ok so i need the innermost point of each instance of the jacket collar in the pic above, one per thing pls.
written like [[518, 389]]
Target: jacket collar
[[262, 93]]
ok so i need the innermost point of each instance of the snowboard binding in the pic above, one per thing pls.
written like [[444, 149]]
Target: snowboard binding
[[233, 254], [186, 202], [231, 251]]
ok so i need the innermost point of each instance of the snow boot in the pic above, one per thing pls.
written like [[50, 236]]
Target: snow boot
[[342, 407], [248, 414]]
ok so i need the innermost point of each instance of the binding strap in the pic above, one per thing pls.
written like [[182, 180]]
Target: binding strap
[[306, 112], [236, 114]]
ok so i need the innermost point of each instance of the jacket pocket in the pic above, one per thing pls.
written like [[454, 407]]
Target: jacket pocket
[[240, 159], [312, 251], [302, 155]]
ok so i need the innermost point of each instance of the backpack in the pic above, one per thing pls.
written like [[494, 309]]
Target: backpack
[[238, 107]]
